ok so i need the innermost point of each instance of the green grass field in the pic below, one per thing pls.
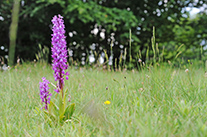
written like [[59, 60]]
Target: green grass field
[[160, 101]]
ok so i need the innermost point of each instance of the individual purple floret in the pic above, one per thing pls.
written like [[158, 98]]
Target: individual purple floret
[[44, 93], [59, 52]]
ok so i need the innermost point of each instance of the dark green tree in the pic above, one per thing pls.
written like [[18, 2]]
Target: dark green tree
[[13, 31]]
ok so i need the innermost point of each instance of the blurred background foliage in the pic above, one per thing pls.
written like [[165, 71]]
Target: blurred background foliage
[[93, 26]]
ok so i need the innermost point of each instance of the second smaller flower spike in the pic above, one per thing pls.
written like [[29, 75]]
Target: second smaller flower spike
[[44, 93]]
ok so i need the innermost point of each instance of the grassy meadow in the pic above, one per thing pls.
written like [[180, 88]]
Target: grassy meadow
[[156, 101]]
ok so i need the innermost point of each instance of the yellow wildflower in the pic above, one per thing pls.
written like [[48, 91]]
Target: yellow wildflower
[[107, 102]]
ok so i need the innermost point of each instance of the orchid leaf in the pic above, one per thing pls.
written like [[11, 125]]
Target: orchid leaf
[[69, 111], [53, 109]]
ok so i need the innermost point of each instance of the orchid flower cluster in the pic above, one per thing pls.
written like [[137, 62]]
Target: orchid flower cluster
[[59, 52], [44, 93], [59, 65]]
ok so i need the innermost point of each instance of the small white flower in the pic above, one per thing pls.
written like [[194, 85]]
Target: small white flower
[[139, 60], [5, 67], [186, 70]]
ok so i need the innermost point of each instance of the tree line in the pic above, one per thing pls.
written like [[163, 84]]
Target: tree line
[[112, 25]]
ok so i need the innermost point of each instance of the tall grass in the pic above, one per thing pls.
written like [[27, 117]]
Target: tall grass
[[158, 101]]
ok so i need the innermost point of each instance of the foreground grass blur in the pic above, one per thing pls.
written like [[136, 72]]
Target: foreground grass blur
[[158, 101]]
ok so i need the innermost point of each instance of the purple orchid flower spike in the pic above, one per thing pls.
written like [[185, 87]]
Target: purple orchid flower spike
[[59, 52], [44, 93]]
